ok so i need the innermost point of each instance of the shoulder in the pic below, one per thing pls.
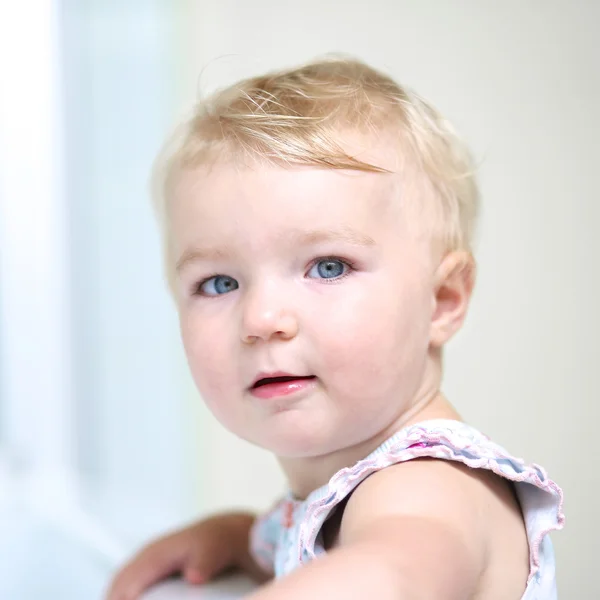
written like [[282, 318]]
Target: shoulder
[[429, 508], [439, 489]]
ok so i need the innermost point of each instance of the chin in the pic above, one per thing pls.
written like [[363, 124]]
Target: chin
[[296, 445], [294, 434]]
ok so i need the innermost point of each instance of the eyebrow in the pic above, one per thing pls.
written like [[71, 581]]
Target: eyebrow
[[319, 236], [295, 237], [198, 254]]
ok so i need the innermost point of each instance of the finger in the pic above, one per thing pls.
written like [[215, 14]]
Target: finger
[[205, 562], [194, 576], [140, 574]]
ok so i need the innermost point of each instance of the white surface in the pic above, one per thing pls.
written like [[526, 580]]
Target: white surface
[[230, 588], [521, 80]]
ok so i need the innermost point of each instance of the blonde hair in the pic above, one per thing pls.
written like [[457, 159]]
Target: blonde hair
[[295, 117]]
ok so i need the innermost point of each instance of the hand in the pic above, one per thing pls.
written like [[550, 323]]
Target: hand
[[199, 552]]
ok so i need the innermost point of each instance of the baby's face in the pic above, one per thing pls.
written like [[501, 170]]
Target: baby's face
[[305, 302]]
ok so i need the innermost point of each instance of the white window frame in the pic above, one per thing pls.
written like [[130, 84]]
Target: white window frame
[[37, 439], [39, 427]]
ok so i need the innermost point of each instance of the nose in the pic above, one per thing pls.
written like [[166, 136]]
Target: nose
[[267, 316]]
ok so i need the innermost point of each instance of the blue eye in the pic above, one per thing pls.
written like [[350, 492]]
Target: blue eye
[[218, 285], [328, 268]]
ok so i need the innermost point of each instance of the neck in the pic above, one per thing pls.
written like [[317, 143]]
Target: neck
[[308, 474]]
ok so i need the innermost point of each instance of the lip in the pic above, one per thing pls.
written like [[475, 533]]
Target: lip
[[276, 389], [273, 375]]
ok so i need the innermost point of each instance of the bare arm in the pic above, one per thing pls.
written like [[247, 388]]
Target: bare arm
[[411, 532]]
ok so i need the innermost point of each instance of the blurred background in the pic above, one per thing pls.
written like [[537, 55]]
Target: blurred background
[[104, 443]]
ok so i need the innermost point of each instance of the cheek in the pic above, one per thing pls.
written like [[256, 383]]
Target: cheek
[[371, 335], [207, 348]]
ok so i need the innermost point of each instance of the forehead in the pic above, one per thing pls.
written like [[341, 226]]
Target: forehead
[[228, 201], [233, 204]]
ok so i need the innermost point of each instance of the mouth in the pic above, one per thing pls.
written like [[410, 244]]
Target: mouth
[[262, 381], [280, 384]]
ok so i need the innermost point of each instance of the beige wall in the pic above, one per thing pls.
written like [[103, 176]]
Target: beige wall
[[521, 80]]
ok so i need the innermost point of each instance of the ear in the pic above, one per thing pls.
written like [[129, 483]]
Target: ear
[[453, 286]]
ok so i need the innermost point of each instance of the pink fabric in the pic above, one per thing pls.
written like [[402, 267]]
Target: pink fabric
[[288, 536]]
